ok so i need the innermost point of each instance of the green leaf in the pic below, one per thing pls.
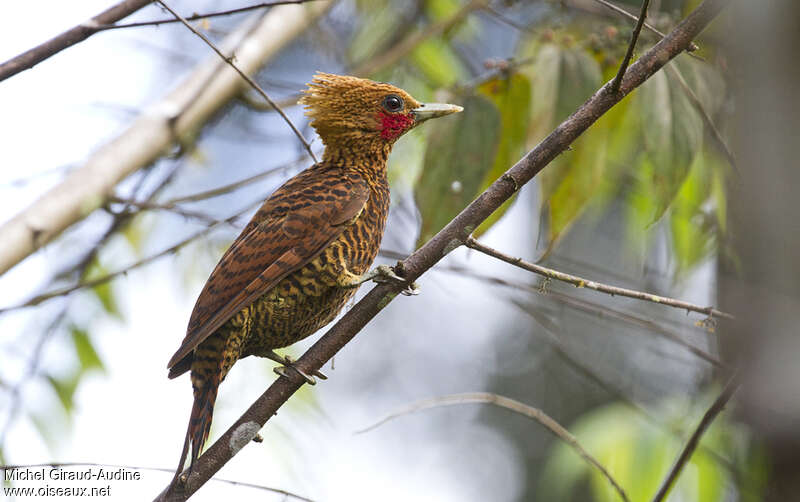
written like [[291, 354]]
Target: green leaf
[[512, 97], [437, 61], [379, 27], [87, 355], [460, 153], [103, 292], [564, 77], [672, 137], [65, 389]]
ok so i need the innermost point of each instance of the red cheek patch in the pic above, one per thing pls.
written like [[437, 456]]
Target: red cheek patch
[[395, 124]]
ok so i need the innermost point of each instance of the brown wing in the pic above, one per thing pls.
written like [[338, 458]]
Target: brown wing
[[295, 224]]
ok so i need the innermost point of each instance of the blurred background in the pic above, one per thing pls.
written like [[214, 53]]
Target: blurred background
[[642, 200]]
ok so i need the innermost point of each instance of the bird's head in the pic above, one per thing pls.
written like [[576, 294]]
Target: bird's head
[[350, 110]]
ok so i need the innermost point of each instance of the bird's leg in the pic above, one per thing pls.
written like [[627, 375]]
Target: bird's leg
[[380, 274], [288, 362]]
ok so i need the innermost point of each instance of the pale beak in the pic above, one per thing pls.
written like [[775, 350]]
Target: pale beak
[[433, 110]]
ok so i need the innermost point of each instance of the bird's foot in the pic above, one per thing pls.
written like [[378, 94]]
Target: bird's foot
[[385, 273], [288, 362]]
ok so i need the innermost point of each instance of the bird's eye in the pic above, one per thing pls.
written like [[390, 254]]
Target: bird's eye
[[393, 103]]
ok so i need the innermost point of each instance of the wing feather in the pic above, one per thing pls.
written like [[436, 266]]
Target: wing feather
[[292, 228]]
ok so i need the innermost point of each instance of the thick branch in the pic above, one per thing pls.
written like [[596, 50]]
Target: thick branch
[[185, 110], [448, 239], [580, 282], [69, 38]]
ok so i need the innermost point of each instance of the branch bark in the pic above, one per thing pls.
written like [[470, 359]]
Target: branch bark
[[72, 36], [185, 110], [451, 237], [580, 282]]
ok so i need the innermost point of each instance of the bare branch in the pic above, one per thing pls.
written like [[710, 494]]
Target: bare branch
[[154, 469], [523, 409], [69, 38], [709, 416], [195, 17], [449, 238], [36, 300], [580, 282], [250, 81], [629, 54]]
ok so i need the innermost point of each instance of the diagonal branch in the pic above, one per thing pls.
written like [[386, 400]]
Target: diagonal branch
[[69, 38], [629, 54], [195, 17], [580, 282], [716, 407], [510, 404], [449, 238], [246, 77]]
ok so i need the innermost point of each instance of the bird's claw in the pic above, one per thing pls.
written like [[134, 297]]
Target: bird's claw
[[288, 362], [385, 274]]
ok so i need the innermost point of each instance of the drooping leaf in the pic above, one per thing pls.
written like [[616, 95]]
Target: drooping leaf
[[512, 97], [437, 60], [564, 77], [65, 389], [673, 135], [380, 24], [460, 152], [103, 291], [87, 355]]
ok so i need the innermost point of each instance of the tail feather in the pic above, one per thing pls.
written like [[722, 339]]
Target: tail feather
[[199, 423]]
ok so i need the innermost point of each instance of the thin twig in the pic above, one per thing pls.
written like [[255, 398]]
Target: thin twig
[[446, 240], [154, 469], [69, 38], [36, 300], [215, 192], [629, 54], [170, 207], [510, 404], [580, 282], [250, 81], [692, 47], [709, 123], [195, 17], [577, 304], [715, 409]]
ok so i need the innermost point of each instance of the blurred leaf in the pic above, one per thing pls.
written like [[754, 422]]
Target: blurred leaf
[[438, 62], [693, 235], [460, 153], [672, 137], [103, 292], [87, 355], [564, 77], [381, 22], [638, 454], [512, 97], [65, 389]]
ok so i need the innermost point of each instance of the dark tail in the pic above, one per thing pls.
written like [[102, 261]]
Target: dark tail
[[199, 423]]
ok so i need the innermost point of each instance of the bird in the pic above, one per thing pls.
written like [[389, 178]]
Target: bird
[[307, 249]]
